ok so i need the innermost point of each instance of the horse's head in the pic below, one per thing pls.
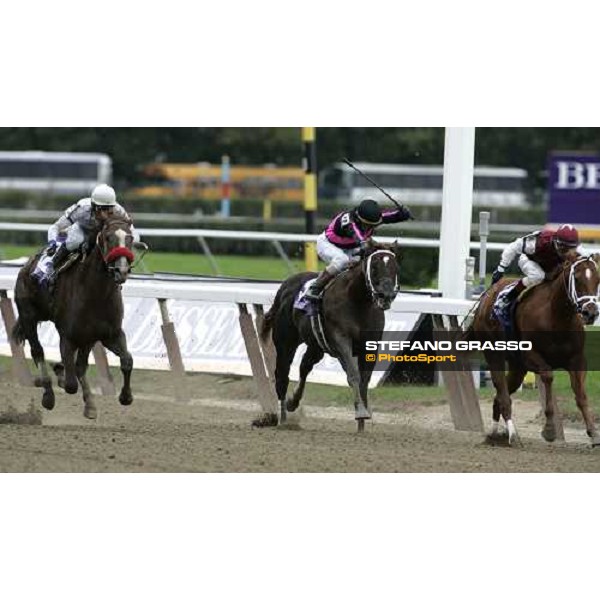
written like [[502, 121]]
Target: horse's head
[[380, 268], [115, 241], [583, 282]]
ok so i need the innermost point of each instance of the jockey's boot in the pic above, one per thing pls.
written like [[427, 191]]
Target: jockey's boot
[[507, 297], [57, 259], [315, 289]]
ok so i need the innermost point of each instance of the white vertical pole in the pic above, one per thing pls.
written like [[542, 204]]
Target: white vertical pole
[[457, 203]]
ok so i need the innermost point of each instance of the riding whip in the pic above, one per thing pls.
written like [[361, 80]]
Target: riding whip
[[372, 183]]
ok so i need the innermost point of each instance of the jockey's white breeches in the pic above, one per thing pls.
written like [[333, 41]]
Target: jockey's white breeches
[[75, 237], [534, 274], [336, 258]]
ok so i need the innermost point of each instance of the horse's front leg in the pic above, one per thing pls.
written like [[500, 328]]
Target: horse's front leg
[[67, 353], [89, 411], [549, 431], [118, 346], [578, 386], [350, 366], [502, 401]]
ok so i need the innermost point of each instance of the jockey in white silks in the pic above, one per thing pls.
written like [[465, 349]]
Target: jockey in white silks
[[78, 221]]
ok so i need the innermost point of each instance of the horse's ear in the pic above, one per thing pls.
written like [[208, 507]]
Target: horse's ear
[[395, 248], [596, 258]]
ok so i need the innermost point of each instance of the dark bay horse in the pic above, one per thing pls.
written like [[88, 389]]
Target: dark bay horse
[[553, 313], [352, 304], [86, 307]]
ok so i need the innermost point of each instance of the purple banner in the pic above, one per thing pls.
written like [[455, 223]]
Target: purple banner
[[574, 188]]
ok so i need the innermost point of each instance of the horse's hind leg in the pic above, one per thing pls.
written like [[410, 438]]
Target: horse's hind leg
[[311, 357], [515, 379], [118, 346], [89, 411], [67, 352], [286, 350], [28, 328], [578, 386]]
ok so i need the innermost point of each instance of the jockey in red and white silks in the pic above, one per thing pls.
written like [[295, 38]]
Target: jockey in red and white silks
[[539, 253], [346, 235]]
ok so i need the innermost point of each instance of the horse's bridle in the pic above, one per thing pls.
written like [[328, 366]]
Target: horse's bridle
[[572, 287], [112, 255], [375, 296]]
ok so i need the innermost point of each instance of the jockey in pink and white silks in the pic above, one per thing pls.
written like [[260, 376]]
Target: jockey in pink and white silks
[[346, 235], [539, 253], [78, 221]]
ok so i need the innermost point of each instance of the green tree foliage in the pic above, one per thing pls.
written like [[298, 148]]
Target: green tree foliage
[[130, 147]]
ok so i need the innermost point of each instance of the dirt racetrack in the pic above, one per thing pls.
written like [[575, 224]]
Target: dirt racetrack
[[212, 433]]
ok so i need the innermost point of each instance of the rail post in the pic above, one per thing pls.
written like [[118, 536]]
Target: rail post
[[173, 350], [469, 277], [309, 164], [19, 364], [484, 232], [259, 366], [225, 186]]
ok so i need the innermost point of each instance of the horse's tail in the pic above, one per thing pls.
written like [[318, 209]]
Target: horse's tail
[[18, 333], [267, 324]]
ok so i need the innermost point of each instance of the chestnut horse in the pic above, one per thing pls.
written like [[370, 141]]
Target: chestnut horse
[[352, 304], [553, 313], [86, 307]]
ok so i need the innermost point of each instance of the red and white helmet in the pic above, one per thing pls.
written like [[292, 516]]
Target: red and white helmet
[[567, 236]]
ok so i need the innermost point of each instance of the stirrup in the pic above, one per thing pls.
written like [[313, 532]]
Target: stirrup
[[312, 297]]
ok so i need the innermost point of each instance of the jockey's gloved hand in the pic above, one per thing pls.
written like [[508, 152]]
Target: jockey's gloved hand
[[497, 274], [51, 247], [406, 214]]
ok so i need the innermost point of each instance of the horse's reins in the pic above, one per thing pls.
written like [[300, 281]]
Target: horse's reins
[[571, 287]]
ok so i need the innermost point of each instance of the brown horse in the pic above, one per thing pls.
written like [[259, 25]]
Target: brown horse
[[553, 313], [352, 304], [86, 307]]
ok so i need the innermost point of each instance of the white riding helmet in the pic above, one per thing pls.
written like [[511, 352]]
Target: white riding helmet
[[104, 195]]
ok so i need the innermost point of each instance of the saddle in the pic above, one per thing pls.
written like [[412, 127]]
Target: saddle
[[313, 311], [505, 315], [41, 275]]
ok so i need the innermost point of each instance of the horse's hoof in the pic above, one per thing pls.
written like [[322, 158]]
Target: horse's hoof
[[361, 425], [126, 398], [71, 388], [290, 405], [515, 441], [362, 413], [266, 420], [549, 434], [595, 441], [90, 412], [48, 399]]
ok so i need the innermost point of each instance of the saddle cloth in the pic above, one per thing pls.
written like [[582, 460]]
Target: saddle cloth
[[301, 303]]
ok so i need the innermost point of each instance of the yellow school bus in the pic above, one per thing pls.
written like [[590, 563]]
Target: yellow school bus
[[203, 181]]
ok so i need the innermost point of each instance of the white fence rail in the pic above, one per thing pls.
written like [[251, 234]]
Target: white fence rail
[[150, 232], [214, 329]]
